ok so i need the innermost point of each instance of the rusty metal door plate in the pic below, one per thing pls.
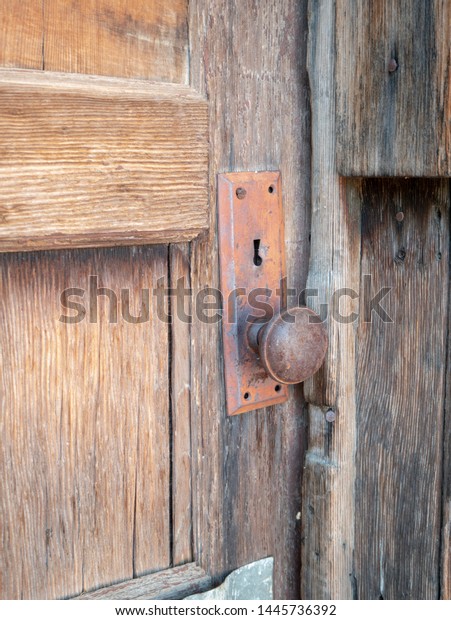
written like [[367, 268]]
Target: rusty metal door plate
[[252, 265], [266, 346]]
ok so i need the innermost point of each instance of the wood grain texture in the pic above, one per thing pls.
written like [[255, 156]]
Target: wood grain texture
[[84, 488], [124, 38], [172, 584], [22, 34], [329, 474], [246, 470], [371, 485], [141, 40], [445, 559], [401, 370], [93, 162], [128, 40], [181, 309], [393, 123]]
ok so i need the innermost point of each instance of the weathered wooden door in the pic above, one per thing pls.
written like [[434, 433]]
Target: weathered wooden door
[[117, 459], [95, 482], [118, 462]]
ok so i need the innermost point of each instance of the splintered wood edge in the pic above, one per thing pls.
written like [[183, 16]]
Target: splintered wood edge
[[179, 211]]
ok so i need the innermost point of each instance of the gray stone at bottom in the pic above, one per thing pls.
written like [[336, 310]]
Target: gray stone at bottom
[[252, 582]]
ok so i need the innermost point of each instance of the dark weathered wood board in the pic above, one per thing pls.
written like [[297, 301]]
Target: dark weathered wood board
[[84, 407], [329, 475], [250, 59], [401, 371], [445, 560], [393, 123], [370, 549]]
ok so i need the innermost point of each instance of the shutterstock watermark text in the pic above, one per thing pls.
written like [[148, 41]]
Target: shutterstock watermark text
[[208, 305]]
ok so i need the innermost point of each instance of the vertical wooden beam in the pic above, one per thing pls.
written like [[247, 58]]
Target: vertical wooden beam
[[360, 539], [445, 560], [328, 489], [249, 58], [207, 384]]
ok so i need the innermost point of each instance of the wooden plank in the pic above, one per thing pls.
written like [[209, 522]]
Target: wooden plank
[[84, 455], [138, 40], [400, 389], [124, 38], [329, 475], [393, 123], [246, 470], [172, 584], [181, 309], [152, 44], [22, 34], [445, 559], [94, 162]]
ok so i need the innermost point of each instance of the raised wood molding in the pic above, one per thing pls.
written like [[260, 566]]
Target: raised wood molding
[[171, 584], [89, 161]]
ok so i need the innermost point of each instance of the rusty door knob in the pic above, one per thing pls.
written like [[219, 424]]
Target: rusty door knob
[[291, 346]]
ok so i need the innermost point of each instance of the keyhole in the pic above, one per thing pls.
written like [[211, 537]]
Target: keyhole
[[257, 258]]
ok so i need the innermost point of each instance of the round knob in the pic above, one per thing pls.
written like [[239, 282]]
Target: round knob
[[291, 346]]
